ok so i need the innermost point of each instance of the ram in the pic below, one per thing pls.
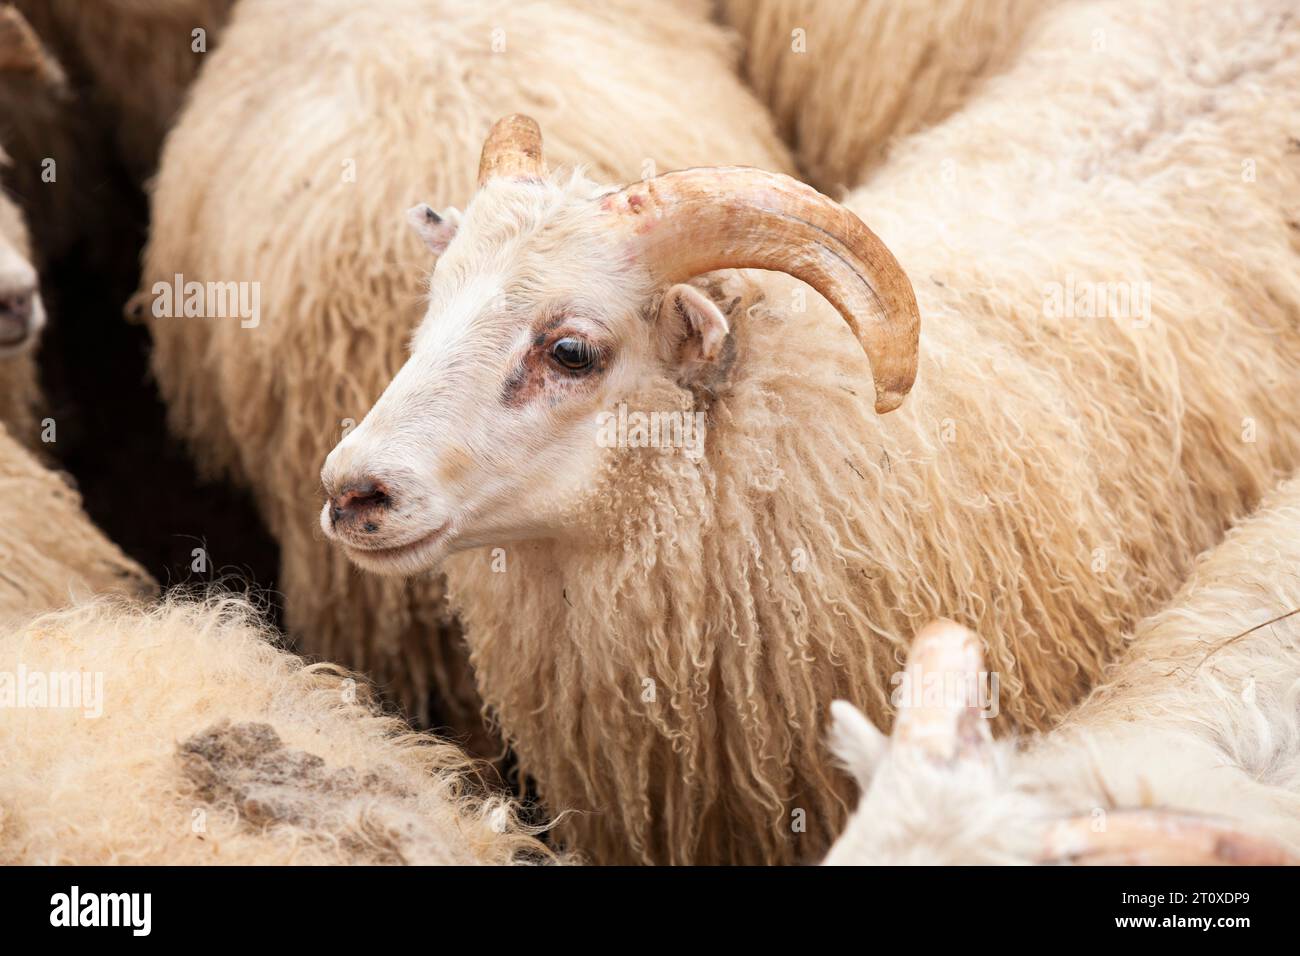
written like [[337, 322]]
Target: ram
[[178, 733], [1188, 751], [659, 631], [844, 77], [625, 87]]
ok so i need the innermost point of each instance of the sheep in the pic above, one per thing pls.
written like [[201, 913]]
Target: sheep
[[137, 58], [196, 740], [178, 734], [1187, 752], [659, 630], [25, 70], [626, 87], [21, 317], [844, 78], [50, 552]]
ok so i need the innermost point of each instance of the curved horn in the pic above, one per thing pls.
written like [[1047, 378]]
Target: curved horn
[[692, 221], [1158, 838], [951, 728], [513, 149]]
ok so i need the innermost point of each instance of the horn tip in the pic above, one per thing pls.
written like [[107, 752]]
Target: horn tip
[[889, 401]]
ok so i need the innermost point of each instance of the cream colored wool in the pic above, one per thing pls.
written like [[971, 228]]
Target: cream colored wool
[[1047, 483], [862, 72], [1200, 715], [136, 57], [214, 747], [50, 552], [295, 176]]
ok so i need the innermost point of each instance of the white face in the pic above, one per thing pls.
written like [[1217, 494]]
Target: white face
[[490, 431], [21, 313]]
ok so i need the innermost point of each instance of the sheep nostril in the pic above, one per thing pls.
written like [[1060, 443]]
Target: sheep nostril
[[364, 498], [15, 317]]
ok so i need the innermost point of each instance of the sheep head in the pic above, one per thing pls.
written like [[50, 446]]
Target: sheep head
[[22, 58], [940, 791], [552, 300]]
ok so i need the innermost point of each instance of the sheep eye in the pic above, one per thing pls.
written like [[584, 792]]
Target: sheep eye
[[573, 354]]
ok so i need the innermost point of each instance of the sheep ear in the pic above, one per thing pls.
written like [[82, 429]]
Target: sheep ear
[[695, 328], [856, 741], [437, 230]]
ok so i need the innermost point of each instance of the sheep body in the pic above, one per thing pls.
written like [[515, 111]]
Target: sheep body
[[194, 739], [1048, 482], [50, 552], [317, 220], [1199, 716], [205, 744], [844, 77]]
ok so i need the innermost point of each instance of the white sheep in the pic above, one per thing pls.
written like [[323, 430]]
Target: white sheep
[[845, 77], [626, 88], [659, 630], [179, 734], [1187, 752]]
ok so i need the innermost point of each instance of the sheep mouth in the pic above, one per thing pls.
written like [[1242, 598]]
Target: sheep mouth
[[15, 336], [399, 553]]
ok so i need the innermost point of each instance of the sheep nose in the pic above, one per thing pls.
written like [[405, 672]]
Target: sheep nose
[[16, 309], [361, 500]]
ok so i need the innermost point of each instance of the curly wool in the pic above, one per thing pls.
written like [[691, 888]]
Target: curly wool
[[50, 552], [1200, 715], [215, 747], [409, 96], [864, 72], [1047, 483]]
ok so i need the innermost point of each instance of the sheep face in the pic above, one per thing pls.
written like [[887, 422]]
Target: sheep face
[[21, 312], [548, 351], [490, 432]]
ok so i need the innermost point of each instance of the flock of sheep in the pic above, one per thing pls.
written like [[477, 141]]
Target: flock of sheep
[[1077, 466]]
